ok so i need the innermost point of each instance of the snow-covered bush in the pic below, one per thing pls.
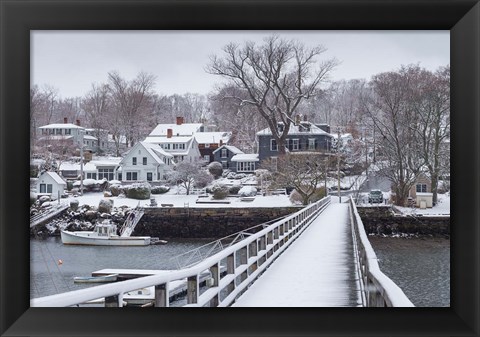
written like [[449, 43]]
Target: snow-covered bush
[[247, 191], [159, 189], [220, 191], [216, 169], [105, 206], [139, 191], [74, 204], [116, 190], [234, 189]]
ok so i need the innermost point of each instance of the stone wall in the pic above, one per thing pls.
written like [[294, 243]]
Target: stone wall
[[178, 222], [381, 220]]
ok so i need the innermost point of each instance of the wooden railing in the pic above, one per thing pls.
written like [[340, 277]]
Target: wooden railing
[[378, 290], [243, 261]]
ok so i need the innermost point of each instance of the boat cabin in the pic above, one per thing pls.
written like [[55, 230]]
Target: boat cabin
[[105, 230]]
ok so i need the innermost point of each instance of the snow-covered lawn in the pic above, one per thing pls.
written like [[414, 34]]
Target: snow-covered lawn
[[178, 200], [441, 208]]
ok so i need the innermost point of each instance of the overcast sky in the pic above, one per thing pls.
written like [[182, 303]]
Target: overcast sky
[[72, 60]]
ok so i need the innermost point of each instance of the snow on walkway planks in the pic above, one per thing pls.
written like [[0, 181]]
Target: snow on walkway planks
[[317, 270]]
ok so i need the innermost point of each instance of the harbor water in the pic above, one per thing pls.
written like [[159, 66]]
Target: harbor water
[[421, 267]]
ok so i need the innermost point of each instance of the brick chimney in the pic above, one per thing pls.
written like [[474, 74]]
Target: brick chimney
[[78, 122], [65, 120], [180, 120], [169, 133], [298, 118], [221, 143]]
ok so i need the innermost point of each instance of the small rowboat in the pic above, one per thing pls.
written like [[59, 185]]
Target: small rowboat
[[95, 279]]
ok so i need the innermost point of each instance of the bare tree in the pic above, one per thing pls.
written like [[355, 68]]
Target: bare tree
[[277, 75], [244, 121], [431, 102], [187, 175], [305, 172], [96, 104], [132, 106], [391, 111]]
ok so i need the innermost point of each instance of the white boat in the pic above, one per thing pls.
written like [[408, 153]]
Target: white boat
[[95, 279], [104, 234]]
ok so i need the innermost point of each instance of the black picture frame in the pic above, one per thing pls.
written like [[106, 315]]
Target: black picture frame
[[18, 17]]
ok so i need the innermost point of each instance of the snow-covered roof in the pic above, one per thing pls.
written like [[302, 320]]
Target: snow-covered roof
[[88, 137], [89, 167], [61, 126], [230, 148], [185, 129], [304, 128], [55, 177], [165, 140], [69, 166], [156, 151], [245, 157], [212, 137]]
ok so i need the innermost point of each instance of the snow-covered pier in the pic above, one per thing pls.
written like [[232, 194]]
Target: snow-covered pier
[[319, 256]]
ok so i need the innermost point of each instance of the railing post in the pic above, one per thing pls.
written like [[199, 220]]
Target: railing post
[[161, 295], [192, 289], [215, 271]]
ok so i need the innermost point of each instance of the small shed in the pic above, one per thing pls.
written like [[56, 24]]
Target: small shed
[[424, 200], [51, 184]]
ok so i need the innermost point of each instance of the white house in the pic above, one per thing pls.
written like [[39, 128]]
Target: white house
[[145, 162], [51, 184]]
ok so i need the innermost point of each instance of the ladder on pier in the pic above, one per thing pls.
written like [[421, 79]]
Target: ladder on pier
[[131, 222]]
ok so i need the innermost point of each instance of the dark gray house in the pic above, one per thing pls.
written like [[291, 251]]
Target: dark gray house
[[224, 155], [303, 136]]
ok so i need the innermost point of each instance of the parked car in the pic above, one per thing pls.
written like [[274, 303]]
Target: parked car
[[375, 197]]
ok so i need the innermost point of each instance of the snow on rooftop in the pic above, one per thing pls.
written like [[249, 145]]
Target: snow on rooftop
[[245, 157], [185, 129], [165, 140], [55, 177], [301, 129], [212, 137], [61, 126], [230, 148]]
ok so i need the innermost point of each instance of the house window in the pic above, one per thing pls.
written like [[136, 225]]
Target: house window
[[49, 188], [245, 166], [224, 164], [224, 153], [105, 173], [132, 176], [295, 143], [311, 143], [206, 158], [68, 131], [43, 188], [58, 131], [134, 160], [273, 145], [421, 188], [149, 176], [144, 160], [92, 176]]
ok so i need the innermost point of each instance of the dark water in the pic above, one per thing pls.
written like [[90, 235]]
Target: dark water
[[420, 267], [48, 277]]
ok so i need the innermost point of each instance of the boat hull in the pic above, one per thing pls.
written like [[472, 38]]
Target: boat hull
[[96, 279], [89, 239]]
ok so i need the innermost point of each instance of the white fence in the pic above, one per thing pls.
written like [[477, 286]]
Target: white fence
[[377, 289], [244, 262]]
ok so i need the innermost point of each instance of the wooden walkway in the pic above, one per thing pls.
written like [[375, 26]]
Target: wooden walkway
[[318, 270]]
